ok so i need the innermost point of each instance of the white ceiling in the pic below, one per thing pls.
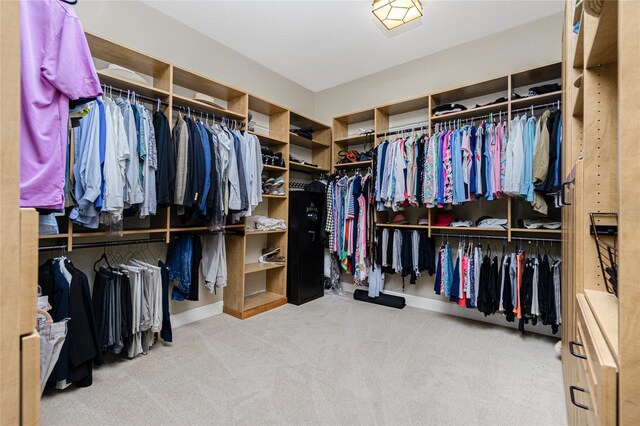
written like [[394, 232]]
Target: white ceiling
[[321, 44]]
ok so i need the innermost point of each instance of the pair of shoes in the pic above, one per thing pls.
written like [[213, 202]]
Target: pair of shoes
[[272, 185], [364, 131]]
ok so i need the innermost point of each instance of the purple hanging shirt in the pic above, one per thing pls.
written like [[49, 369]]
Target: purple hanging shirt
[[56, 66]]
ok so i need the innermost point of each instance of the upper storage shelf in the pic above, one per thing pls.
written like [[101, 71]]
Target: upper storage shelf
[[227, 101], [157, 73]]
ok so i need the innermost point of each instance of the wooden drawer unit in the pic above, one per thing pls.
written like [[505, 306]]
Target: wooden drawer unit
[[596, 393]]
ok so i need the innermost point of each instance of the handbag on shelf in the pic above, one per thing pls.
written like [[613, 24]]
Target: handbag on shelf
[[350, 156]]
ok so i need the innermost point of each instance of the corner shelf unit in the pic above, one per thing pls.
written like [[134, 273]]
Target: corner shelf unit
[[315, 151], [173, 88], [415, 114]]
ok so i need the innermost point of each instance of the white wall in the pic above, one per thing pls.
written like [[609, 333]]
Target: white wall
[[520, 48], [139, 26]]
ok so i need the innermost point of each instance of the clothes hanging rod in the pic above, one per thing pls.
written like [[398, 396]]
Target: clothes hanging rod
[[556, 104], [188, 111], [404, 128], [102, 244], [134, 93], [497, 237], [467, 119]]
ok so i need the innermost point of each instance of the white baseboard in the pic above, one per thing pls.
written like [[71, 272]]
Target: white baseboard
[[197, 314], [452, 309]]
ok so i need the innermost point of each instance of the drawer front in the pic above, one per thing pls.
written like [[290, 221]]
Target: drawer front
[[28, 269], [598, 373]]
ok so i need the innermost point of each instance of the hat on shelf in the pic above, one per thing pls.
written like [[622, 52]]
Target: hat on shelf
[[117, 71], [423, 221], [207, 100], [443, 219]]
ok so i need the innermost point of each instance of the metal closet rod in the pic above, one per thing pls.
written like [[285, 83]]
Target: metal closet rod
[[487, 237], [214, 117], [406, 128], [137, 95], [102, 244], [529, 108]]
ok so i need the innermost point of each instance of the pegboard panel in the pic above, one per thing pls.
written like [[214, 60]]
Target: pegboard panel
[[600, 159]]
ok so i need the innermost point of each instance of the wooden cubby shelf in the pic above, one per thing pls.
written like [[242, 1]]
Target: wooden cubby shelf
[[124, 84], [306, 143], [184, 102], [257, 300], [473, 112], [274, 168], [266, 140], [252, 268], [307, 168], [357, 164], [275, 231]]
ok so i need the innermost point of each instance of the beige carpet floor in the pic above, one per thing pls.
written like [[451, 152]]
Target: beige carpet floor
[[332, 361]]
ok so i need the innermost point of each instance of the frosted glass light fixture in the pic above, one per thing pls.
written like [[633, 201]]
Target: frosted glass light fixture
[[393, 13]]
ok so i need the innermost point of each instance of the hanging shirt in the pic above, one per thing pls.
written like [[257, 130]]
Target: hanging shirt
[[56, 66]]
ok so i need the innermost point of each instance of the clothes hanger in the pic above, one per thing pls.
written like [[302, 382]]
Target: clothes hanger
[[102, 257], [72, 2]]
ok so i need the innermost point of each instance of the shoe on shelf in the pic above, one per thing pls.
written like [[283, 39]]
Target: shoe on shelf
[[278, 182], [364, 131], [276, 191]]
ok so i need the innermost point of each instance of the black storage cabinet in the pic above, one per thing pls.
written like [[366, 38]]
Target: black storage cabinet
[[306, 255]]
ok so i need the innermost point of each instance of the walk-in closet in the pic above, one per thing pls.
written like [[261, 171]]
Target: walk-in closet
[[319, 212]]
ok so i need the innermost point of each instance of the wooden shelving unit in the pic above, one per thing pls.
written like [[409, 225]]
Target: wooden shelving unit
[[176, 87], [415, 113], [601, 173], [316, 150]]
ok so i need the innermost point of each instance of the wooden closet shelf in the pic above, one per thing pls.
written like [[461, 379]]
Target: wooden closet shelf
[[123, 84], [275, 231], [463, 229], [266, 140], [536, 231], [85, 234], [355, 139], [578, 105], [274, 168], [305, 143], [394, 225], [307, 168], [251, 268], [263, 299], [606, 310], [185, 102], [357, 117], [536, 100], [473, 112], [357, 164], [276, 197], [52, 236], [204, 228], [300, 121], [602, 46], [578, 55]]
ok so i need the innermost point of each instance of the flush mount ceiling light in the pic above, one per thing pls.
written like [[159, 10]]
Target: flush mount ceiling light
[[393, 13]]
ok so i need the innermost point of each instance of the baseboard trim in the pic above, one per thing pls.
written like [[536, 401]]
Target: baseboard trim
[[443, 307], [196, 314]]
